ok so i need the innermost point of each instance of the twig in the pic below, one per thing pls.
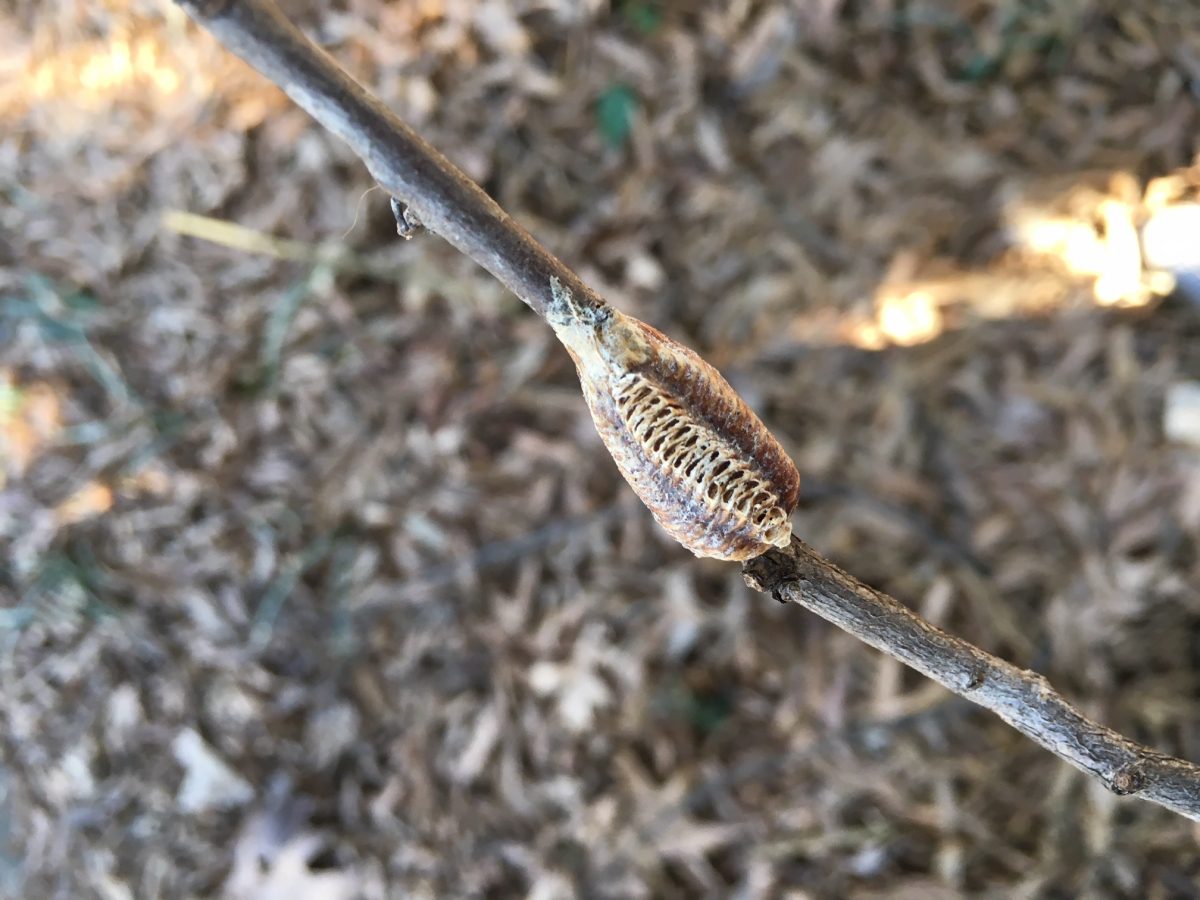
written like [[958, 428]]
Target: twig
[[1023, 699], [448, 203], [433, 189]]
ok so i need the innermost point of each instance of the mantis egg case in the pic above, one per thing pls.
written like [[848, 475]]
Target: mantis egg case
[[704, 464]]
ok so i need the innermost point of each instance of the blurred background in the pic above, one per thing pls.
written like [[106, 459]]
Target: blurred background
[[317, 582]]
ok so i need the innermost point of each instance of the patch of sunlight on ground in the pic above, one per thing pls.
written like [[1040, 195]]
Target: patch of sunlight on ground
[[1122, 244]]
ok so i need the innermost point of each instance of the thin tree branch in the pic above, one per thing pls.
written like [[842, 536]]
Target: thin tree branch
[[1023, 699], [448, 203]]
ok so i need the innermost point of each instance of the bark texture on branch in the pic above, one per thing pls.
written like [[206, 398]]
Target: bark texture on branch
[[448, 203]]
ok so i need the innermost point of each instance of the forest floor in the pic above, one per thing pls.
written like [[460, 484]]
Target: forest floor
[[318, 582]]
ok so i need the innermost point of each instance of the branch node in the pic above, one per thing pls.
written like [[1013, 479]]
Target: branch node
[[407, 223], [769, 572], [1129, 779], [974, 680]]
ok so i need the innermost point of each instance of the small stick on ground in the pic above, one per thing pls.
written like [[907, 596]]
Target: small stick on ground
[[448, 203]]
